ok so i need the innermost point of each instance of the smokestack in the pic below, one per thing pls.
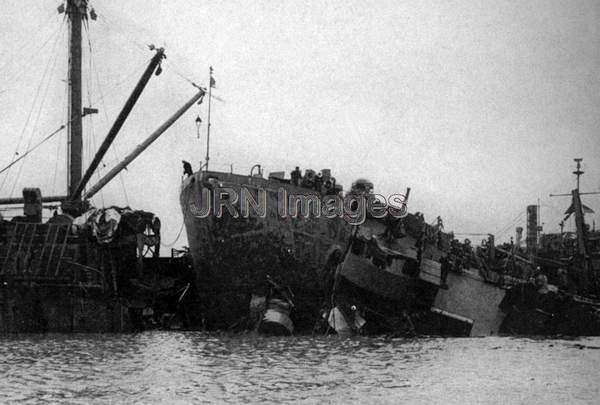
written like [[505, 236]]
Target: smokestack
[[532, 228]]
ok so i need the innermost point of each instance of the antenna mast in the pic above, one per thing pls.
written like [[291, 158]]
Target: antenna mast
[[211, 84], [578, 172]]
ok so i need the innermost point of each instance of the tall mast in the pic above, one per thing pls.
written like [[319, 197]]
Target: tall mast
[[211, 83], [579, 210], [578, 172], [76, 11]]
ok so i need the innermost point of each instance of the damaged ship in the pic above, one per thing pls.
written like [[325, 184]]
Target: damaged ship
[[86, 269], [234, 256], [402, 276], [558, 275]]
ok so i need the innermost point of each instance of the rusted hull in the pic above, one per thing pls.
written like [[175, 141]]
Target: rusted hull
[[233, 256]]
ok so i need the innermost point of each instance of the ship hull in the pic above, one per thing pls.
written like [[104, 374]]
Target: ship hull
[[232, 257], [385, 287], [548, 313], [473, 301], [395, 294]]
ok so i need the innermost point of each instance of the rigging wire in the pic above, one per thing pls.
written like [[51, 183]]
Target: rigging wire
[[112, 24], [56, 167], [24, 155], [93, 146], [125, 79], [516, 218], [104, 110], [37, 92], [138, 44], [37, 119], [58, 143], [168, 245], [22, 69], [19, 55], [179, 74], [91, 138], [510, 226], [16, 153]]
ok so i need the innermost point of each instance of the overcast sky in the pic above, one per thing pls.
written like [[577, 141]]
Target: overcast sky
[[478, 106]]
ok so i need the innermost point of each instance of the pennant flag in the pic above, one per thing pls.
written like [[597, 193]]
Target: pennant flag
[[212, 82], [584, 208]]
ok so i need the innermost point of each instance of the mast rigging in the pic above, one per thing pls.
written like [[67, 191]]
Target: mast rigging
[[140, 148], [119, 121]]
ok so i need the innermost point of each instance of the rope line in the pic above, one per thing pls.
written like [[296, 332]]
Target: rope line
[[29, 114], [39, 114], [104, 110], [167, 245], [63, 126], [25, 48]]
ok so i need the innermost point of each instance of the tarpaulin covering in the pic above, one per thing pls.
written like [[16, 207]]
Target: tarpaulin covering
[[106, 222]]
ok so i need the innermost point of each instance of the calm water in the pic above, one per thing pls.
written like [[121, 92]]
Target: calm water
[[162, 367]]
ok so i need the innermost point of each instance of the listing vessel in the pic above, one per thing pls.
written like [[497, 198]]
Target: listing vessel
[[405, 276]]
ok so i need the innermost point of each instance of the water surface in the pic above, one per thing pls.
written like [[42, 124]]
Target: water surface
[[193, 367]]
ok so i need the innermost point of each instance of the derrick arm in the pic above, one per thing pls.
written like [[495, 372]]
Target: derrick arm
[[140, 148], [120, 120]]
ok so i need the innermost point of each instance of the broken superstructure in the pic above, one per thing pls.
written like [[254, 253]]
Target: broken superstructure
[[86, 269]]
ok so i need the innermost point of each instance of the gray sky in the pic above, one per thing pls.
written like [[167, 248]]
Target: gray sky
[[479, 107]]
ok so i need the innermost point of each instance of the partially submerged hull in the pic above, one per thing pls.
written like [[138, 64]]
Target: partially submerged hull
[[389, 284], [533, 311], [232, 257], [68, 275], [397, 285], [384, 280], [473, 299]]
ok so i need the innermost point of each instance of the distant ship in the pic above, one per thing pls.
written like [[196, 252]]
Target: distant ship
[[557, 288]]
